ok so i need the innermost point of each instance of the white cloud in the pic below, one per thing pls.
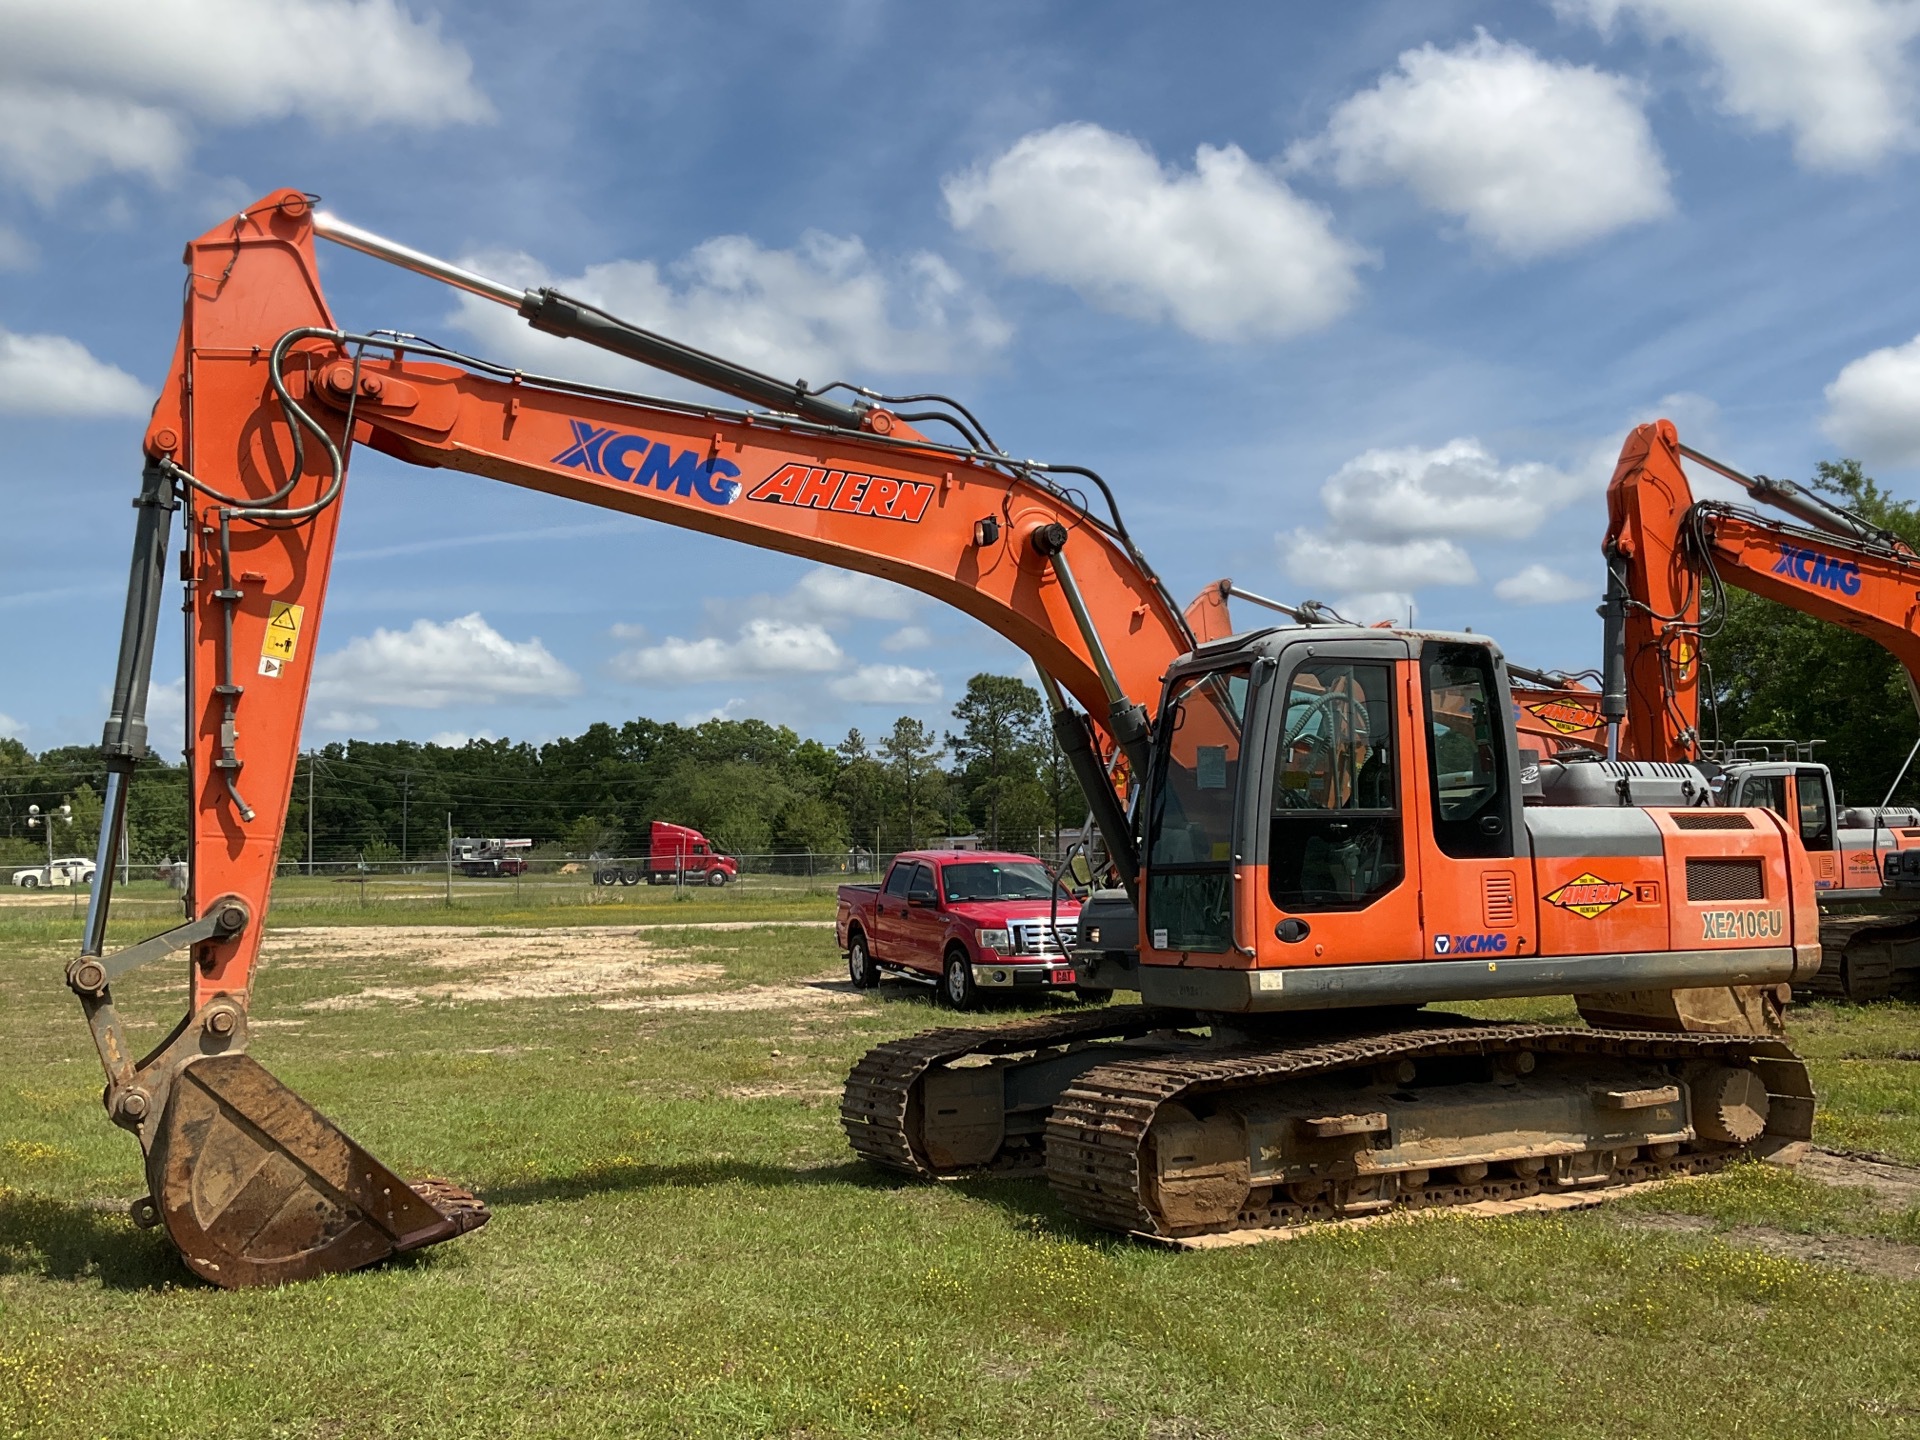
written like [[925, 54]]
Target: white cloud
[[10, 728], [167, 718], [825, 310], [621, 630], [888, 685], [827, 594], [459, 739], [908, 637], [764, 647], [434, 663], [1362, 565], [1532, 155], [1225, 251], [335, 721], [16, 251], [92, 86], [1459, 488], [52, 375], [1873, 406], [1836, 73], [1370, 606], [1543, 585], [732, 710]]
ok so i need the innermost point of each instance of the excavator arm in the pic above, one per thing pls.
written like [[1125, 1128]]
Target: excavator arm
[[250, 443], [1668, 554]]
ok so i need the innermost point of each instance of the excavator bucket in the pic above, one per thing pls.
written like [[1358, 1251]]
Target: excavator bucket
[[256, 1187]]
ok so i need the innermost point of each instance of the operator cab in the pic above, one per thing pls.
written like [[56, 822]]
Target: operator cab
[[1848, 850], [1309, 786]]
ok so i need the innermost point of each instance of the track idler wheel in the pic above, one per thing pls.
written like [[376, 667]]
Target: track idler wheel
[[256, 1187]]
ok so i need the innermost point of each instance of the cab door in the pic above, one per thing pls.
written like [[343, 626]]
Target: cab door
[[890, 914], [923, 927], [1340, 882], [1473, 898], [1813, 818]]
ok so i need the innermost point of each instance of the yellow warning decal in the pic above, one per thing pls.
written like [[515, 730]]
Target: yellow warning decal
[[283, 632]]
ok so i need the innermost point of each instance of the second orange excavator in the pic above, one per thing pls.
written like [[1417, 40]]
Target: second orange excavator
[[1670, 558], [1325, 829]]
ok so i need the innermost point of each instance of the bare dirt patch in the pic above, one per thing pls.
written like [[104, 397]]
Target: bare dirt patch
[[805, 995], [1894, 1187], [1889, 1259], [491, 965]]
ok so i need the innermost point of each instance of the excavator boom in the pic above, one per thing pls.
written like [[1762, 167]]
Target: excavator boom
[[250, 443]]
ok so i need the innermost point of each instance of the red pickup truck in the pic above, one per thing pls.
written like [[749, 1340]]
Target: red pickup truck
[[968, 920]]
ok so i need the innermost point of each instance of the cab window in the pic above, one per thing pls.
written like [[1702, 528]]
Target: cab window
[[1816, 815], [1334, 821], [1190, 827], [1768, 791], [922, 887], [1466, 752], [898, 879]]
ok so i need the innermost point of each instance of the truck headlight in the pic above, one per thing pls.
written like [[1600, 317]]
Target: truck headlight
[[999, 940]]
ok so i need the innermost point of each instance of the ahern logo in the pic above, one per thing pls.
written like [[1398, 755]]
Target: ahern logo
[[650, 464], [1588, 895], [1565, 716], [1811, 567], [848, 491]]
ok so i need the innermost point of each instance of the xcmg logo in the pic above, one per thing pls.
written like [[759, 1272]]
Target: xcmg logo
[[1469, 944], [1810, 567], [650, 464]]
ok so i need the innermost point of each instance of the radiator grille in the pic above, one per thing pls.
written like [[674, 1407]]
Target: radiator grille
[[1033, 937], [1725, 880], [1708, 820], [1496, 899]]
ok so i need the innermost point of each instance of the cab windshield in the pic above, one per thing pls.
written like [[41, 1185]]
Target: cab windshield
[[995, 880], [1191, 820]]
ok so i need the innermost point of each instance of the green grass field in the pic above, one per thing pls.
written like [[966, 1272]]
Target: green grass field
[[682, 1246]]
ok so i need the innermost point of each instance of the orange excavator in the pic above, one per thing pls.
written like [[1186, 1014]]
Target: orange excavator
[[1669, 559], [1324, 831]]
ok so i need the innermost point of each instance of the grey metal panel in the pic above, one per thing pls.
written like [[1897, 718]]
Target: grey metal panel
[[1421, 982], [1573, 832]]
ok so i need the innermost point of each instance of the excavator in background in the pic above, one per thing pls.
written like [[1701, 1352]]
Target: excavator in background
[[1669, 559], [1324, 830], [1638, 738]]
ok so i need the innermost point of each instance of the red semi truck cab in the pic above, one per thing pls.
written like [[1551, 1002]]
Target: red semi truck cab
[[970, 920], [682, 850], [673, 852]]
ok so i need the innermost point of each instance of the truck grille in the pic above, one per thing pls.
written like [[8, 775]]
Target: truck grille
[[1030, 937]]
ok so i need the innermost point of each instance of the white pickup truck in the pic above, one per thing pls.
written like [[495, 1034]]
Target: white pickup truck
[[75, 870]]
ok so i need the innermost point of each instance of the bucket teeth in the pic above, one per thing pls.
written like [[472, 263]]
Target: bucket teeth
[[256, 1187]]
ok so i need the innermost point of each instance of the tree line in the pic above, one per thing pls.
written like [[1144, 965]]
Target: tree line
[[753, 787]]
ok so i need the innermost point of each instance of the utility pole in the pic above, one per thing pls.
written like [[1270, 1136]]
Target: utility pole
[[309, 815], [406, 785]]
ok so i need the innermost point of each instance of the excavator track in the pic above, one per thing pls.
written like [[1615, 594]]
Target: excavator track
[[1100, 1147], [879, 1104]]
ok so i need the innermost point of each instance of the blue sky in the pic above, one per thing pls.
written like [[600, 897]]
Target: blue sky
[[1351, 302]]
